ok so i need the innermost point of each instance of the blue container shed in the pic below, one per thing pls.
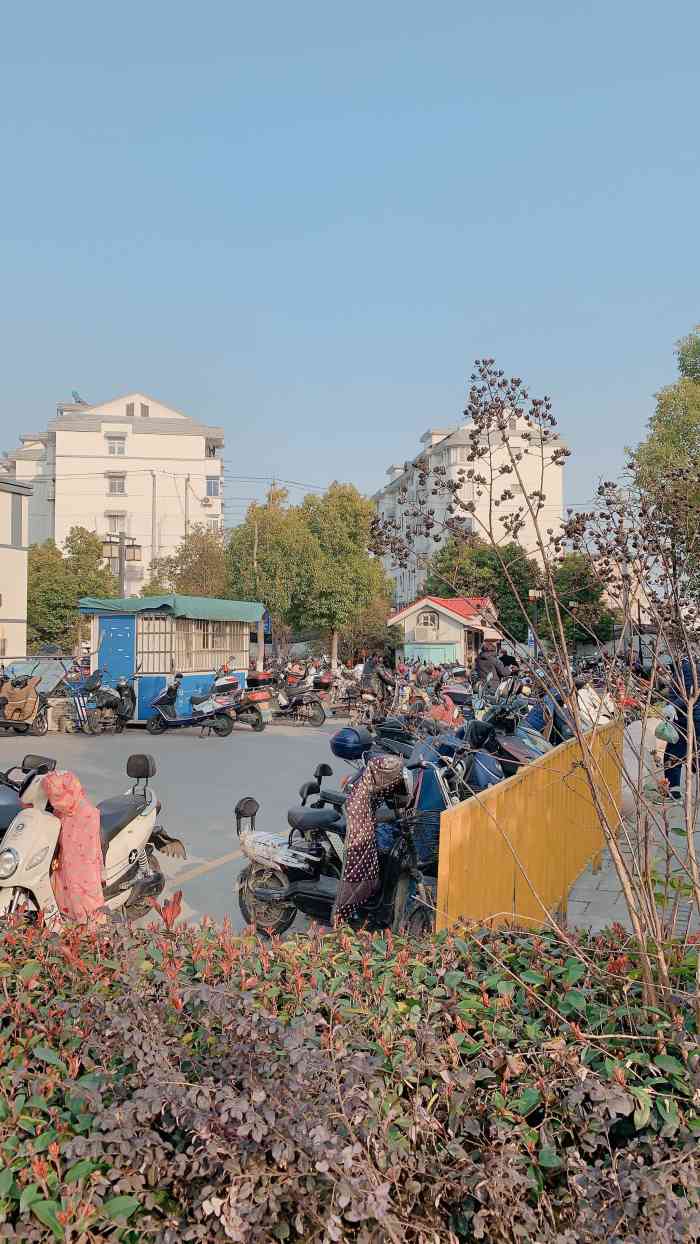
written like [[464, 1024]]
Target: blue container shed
[[150, 638]]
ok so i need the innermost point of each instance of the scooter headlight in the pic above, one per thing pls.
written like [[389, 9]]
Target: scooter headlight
[[9, 862]]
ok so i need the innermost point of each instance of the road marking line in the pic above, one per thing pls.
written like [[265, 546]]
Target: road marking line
[[209, 866]]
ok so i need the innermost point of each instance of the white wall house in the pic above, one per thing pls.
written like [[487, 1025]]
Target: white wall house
[[439, 630], [14, 498], [131, 464], [449, 449]]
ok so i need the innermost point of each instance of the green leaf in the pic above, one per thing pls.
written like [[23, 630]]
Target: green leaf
[[120, 1207], [505, 988], [29, 1194], [7, 1179], [574, 1000], [642, 1113], [31, 968], [46, 1212], [453, 979], [549, 1158], [80, 1169], [532, 978], [470, 1002], [47, 1055], [667, 1063], [525, 1101], [573, 971]]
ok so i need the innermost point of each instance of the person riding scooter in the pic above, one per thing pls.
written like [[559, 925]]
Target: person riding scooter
[[377, 679]]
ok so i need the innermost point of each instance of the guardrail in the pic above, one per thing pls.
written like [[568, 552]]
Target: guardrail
[[514, 853]]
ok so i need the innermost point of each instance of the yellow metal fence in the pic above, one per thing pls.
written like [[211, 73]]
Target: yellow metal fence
[[514, 853]]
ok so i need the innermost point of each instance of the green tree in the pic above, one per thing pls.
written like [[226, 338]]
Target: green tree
[[270, 558], [198, 567], [581, 596], [473, 568], [673, 438], [345, 578], [57, 580]]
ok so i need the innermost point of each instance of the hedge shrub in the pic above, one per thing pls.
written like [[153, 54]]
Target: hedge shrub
[[200, 1086]]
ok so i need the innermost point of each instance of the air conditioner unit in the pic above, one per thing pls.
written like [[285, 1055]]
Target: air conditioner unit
[[206, 502]]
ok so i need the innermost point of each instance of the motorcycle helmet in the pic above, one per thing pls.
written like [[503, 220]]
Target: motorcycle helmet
[[351, 743]]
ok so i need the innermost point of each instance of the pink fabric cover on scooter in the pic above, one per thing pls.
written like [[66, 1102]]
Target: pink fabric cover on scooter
[[77, 881]]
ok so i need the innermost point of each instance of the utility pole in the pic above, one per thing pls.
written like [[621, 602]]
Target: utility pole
[[122, 564], [187, 506], [154, 517]]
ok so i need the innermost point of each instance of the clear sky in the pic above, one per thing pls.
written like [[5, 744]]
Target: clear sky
[[305, 221]]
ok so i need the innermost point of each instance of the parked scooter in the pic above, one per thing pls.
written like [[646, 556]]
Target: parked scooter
[[207, 711], [298, 702], [113, 706], [287, 876], [23, 707], [129, 834]]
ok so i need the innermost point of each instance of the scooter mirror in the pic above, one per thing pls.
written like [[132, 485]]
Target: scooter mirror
[[322, 770]]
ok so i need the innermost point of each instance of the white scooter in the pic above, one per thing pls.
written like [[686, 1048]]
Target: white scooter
[[129, 835]]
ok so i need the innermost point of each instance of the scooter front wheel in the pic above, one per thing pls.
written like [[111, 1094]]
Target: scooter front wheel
[[222, 725], [155, 725], [270, 918], [316, 714]]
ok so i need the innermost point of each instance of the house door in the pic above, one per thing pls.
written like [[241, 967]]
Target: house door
[[116, 649]]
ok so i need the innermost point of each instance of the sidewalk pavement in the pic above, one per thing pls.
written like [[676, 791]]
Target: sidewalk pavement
[[596, 900]]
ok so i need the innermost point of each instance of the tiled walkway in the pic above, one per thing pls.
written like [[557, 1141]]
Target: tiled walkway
[[596, 900]]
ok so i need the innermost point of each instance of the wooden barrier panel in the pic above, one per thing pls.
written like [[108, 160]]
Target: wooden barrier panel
[[514, 853]]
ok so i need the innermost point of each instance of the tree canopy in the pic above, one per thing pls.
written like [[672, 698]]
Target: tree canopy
[[309, 563], [471, 567], [196, 568], [56, 583]]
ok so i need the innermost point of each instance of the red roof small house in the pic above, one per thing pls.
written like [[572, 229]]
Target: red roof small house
[[445, 629]]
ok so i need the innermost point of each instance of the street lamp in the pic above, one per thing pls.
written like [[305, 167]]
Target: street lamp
[[536, 594], [124, 549], [573, 604]]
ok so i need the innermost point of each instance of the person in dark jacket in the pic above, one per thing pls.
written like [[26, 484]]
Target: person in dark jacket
[[376, 678], [487, 663], [676, 754]]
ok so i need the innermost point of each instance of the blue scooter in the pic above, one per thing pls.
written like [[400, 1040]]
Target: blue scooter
[[205, 711]]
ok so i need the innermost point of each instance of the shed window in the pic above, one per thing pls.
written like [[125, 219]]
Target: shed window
[[428, 617], [145, 410], [130, 410]]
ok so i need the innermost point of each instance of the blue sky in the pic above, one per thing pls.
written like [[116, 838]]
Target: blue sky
[[304, 222]]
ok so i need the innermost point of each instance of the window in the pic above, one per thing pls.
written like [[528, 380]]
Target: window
[[213, 485], [3, 647], [428, 617], [214, 524], [211, 450], [16, 522], [130, 410], [145, 410], [116, 523], [117, 485], [116, 446]]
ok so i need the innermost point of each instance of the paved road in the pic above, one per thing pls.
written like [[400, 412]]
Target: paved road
[[199, 781]]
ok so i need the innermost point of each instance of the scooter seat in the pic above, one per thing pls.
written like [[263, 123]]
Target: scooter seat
[[116, 814], [312, 818], [199, 699]]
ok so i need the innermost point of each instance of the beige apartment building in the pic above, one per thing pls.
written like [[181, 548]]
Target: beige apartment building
[[131, 465], [448, 449], [14, 499]]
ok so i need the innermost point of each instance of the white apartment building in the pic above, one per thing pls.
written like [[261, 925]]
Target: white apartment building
[[449, 448], [129, 465], [14, 498]]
